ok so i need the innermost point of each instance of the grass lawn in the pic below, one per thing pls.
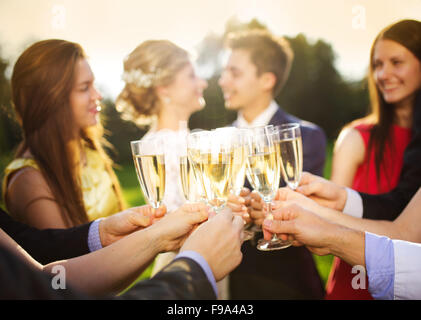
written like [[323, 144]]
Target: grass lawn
[[134, 197]]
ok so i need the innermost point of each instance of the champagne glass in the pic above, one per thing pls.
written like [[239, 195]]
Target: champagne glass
[[291, 151], [149, 160], [191, 187], [263, 172], [239, 151], [239, 160], [261, 130], [216, 160], [194, 143]]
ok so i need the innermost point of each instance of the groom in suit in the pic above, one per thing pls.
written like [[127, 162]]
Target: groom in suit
[[257, 69]]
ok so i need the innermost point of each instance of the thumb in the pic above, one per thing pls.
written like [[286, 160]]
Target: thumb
[[279, 226], [309, 189]]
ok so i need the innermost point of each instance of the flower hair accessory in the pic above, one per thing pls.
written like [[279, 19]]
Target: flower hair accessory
[[140, 78]]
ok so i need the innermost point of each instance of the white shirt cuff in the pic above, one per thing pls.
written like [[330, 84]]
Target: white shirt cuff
[[354, 204], [407, 270]]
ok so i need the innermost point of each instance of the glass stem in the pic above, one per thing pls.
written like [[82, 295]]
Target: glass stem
[[269, 204]]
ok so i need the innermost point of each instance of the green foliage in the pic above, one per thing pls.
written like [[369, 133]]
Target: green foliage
[[316, 92]]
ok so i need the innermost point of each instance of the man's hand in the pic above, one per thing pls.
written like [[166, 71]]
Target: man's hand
[[257, 208], [323, 191], [121, 224], [218, 241], [239, 204], [173, 229], [305, 227], [286, 196]]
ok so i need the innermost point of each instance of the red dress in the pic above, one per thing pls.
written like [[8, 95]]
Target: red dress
[[339, 285]]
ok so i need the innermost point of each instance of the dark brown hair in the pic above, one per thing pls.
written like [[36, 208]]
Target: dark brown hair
[[267, 52], [42, 80]]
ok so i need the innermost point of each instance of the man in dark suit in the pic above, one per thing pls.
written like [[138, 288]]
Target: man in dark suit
[[256, 71], [192, 274], [387, 206]]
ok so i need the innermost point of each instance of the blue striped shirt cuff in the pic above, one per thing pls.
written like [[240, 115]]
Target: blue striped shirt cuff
[[203, 263], [380, 265], [94, 240]]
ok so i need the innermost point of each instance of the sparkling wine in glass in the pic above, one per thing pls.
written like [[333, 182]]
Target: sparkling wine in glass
[[215, 161], [291, 150], [263, 172], [149, 161]]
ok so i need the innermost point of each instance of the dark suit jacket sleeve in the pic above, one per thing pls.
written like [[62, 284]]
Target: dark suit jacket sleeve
[[389, 206], [181, 279], [20, 281], [49, 245], [314, 148]]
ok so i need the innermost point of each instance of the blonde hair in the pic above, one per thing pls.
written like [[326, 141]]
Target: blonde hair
[[158, 61]]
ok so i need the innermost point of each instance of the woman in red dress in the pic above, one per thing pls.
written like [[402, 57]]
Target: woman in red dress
[[368, 154]]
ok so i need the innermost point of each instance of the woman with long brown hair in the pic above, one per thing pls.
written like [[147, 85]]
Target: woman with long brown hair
[[368, 154], [61, 176]]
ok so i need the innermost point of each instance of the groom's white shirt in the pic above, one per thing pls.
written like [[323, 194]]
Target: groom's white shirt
[[262, 119]]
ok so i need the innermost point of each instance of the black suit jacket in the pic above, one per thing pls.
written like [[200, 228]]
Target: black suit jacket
[[388, 206], [289, 273], [181, 279], [47, 245]]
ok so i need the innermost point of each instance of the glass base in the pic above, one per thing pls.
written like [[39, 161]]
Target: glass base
[[278, 244]]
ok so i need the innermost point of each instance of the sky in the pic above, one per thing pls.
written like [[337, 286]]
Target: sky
[[109, 30]]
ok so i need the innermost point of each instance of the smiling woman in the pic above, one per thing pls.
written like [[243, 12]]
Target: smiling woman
[[368, 154], [61, 176], [84, 97]]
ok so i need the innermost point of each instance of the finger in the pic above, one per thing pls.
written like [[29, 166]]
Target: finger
[[246, 218], [237, 207], [232, 198], [140, 219], [306, 178], [141, 216], [256, 204], [287, 211], [283, 193], [283, 237], [238, 223], [160, 212], [225, 213], [276, 226], [311, 188], [267, 235], [194, 207], [276, 205], [255, 196], [255, 215], [244, 192]]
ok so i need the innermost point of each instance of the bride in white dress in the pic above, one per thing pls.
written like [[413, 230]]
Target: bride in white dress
[[163, 90]]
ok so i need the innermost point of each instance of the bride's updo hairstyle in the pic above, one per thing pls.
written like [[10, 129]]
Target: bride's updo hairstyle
[[153, 63]]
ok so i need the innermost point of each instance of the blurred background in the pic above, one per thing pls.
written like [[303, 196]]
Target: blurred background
[[331, 40]]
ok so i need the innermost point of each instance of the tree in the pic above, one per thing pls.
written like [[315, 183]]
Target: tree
[[315, 90]]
